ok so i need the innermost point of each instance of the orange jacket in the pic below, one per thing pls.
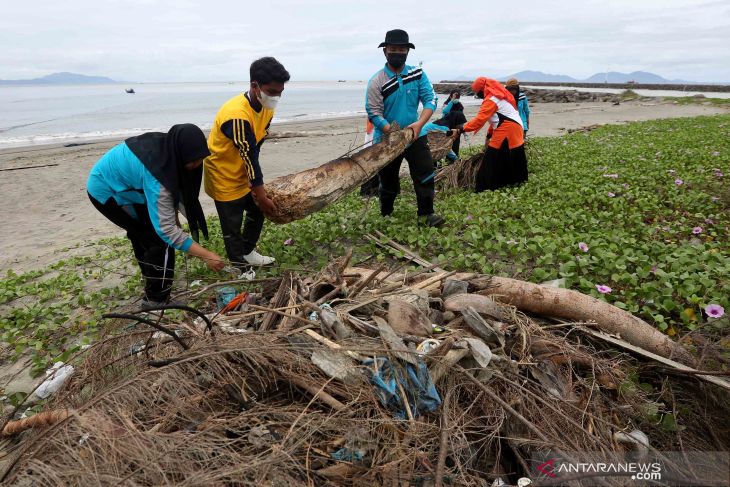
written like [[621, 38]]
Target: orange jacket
[[505, 104]]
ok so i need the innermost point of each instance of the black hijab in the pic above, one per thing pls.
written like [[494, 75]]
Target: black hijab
[[165, 156], [457, 106], [452, 119]]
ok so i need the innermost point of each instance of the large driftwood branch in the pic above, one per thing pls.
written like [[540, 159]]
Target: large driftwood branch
[[306, 192], [572, 305], [440, 144]]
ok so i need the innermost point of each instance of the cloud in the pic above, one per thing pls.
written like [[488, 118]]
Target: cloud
[[184, 40]]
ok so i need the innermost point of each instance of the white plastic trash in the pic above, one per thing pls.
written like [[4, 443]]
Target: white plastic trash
[[57, 376], [636, 437], [427, 345]]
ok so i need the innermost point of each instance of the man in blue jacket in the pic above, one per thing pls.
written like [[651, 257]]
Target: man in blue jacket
[[393, 96]]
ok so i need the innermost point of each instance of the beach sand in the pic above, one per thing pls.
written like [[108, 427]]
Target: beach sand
[[46, 215]]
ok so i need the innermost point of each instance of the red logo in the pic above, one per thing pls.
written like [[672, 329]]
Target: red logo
[[547, 468]]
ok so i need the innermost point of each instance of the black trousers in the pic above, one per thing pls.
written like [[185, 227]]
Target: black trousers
[[456, 145], [501, 167], [420, 164], [370, 187], [156, 259], [240, 242]]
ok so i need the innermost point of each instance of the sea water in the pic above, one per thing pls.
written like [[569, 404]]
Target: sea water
[[32, 115]]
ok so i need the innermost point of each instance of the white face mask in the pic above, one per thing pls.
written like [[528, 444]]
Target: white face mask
[[267, 101]]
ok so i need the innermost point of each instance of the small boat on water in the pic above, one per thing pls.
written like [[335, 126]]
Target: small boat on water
[[129, 90]]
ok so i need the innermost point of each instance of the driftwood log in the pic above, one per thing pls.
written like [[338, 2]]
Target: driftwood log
[[306, 192], [440, 144], [572, 305]]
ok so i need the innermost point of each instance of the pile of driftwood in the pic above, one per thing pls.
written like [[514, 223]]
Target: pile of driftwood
[[462, 174], [376, 376]]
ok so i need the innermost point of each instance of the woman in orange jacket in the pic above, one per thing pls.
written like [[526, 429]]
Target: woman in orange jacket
[[504, 161]]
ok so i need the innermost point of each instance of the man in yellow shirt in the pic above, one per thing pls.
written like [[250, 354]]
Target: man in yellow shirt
[[233, 176]]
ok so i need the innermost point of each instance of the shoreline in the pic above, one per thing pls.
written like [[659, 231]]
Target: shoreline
[[11, 149], [47, 215]]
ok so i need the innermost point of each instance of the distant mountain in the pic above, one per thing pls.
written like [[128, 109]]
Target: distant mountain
[[636, 76], [539, 76], [60, 79], [611, 77]]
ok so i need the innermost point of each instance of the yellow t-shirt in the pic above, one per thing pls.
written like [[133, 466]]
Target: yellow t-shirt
[[237, 134]]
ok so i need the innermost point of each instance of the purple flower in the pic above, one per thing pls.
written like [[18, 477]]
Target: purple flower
[[654, 269], [611, 195], [678, 182], [718, 174], [697, 230], [715, 198], [714, 310], [612, 176], [716, 153], [583, 246], [709, 221], [671, 171], [288, 241], [603, 289], [626, 185], [469, 217]]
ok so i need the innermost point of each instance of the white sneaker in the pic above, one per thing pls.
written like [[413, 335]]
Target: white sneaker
[[249, 275], [254, 258]]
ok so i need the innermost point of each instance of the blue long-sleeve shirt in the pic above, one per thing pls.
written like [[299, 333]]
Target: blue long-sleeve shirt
[[523, 106], [432, 127], [453, 104], [119, 174], [394, 97]]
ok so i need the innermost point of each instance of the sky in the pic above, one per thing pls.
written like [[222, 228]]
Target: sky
[[216, 40]]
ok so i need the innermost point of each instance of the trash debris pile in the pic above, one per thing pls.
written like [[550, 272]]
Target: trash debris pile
[[357, 376]]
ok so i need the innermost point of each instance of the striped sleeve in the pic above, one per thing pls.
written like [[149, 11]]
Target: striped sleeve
[[426, 93], [242, 136], [374, 103], [161, 209]]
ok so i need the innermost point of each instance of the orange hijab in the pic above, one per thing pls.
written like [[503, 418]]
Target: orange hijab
[[492, 87]]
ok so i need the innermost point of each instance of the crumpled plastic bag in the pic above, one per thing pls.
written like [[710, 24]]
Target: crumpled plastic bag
[[420, 390], [57, 376]]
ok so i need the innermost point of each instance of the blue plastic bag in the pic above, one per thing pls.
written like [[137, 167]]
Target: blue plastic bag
[[419, 389]]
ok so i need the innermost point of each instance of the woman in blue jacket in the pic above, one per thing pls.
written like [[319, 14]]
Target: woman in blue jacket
[[452, 103], [139, 185], [523, 104]]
